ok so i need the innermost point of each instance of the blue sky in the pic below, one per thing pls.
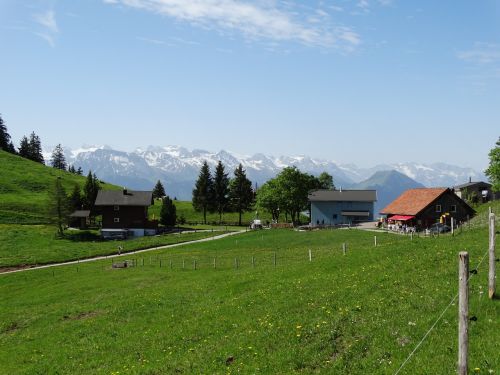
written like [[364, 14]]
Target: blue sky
[[362, 81]]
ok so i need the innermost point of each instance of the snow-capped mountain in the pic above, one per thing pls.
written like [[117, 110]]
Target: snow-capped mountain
[[177, 167]]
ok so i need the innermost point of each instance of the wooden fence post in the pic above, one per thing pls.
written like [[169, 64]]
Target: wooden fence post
[[170, 264], [215, 263], [310, 255], [463, 312], [491, 273], [452, 229], [253, 261], [343, 248], [183, 264], [274, 259], [194, 264], [375, 240]]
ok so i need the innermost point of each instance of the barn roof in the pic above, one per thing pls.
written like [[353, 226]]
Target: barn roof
[[124, 198], [412, 201], [343, 196], [470, 184]]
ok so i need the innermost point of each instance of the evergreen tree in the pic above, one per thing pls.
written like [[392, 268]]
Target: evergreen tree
[[71, 169], [79, 171], [35, 148], [168, 212], [159, 190], [75, 199], [58, 207], [241, 195], [24, 148], [5, 142], [220, 194], [57, 159], [202, 193], [493, 171], [90, 190]]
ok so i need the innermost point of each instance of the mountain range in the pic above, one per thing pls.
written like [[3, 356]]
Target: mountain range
[[178, 167]]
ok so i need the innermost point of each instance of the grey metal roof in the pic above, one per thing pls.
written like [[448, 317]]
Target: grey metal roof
[[469, 184], [124, 198], [343, 196], [80, 213]]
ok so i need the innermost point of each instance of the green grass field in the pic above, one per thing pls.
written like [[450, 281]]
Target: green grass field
[[24, 186], [22, 245], [361, 313]]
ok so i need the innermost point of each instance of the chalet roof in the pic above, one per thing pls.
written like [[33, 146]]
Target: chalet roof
[[80, 213], [342, 196], [470, 184], [412, 201], [124, 198]]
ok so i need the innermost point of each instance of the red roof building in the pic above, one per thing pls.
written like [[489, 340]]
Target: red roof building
[[426, 206]]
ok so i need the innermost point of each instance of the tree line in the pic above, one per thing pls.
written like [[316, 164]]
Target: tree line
[[30, 147], [220, 194]]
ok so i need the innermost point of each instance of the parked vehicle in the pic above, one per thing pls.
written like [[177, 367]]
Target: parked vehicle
[[439, 228], [256, 224]]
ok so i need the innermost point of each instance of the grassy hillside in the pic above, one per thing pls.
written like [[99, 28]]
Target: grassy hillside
[[23, 189], [362, 313], [23, 245]]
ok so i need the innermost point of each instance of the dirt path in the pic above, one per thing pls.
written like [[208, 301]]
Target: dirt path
[[8, 270]]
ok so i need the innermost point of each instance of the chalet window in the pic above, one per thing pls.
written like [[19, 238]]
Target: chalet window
[[117, 208], [438, 208], [453, 208], [117, 219]]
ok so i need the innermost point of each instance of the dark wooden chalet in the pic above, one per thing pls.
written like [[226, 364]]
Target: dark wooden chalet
[[79, 219], [426, 206], [125, 211], [477, 191]]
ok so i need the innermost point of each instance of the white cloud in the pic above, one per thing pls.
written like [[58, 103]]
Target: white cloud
[[255, 20], [481, 53], [48, 21]]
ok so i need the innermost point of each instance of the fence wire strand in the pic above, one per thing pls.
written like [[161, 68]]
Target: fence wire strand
[[438, 319]]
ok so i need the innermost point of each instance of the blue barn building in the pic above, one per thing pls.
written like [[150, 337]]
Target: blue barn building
[[333, 207]]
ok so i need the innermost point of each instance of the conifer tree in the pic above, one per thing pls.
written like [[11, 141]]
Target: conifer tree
[[58, 208], [240, 192], [24, 148], [57, 159], [35, 149], [220, 190], [159, 190], [79, 171], [75, 199], [90, 190], [202, 193], [5, 141], [168, 212]]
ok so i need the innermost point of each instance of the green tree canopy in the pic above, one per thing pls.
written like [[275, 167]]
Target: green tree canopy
[[241, 195], [202, 192], [58, 206], [493, 171], [270, 199], [75, 198], [325, 181], [159, 190], [220, 190], [58, 160], [90, 190], [5, 140], [168, 212]]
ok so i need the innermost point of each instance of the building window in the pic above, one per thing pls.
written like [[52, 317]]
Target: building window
[[117, 219], [334, 216], [438, 208], [453, 208], [117, 208]]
